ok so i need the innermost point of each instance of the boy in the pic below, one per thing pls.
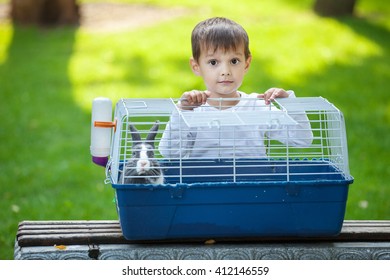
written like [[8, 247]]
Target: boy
[[221, 56]]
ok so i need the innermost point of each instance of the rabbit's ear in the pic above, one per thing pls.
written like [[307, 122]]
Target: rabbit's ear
[[134, 133], [153, 132]]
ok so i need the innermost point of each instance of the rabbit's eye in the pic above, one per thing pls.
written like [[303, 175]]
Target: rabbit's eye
[[150, 154]]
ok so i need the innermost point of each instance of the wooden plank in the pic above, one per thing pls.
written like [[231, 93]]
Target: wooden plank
[[68, 231], [70, 239], [365, 230], [379, 224], [67, 227], [73, 222], [68, 224], [50, 233]]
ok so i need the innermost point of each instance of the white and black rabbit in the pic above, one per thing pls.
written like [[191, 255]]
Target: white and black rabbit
[[143, 168]]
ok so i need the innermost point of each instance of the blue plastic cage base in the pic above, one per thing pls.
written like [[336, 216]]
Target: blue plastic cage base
[[208, 208]]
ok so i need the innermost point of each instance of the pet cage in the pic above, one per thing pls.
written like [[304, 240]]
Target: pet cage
[[249, 170]]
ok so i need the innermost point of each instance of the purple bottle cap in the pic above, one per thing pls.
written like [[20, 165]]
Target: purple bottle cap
[[102, 161]]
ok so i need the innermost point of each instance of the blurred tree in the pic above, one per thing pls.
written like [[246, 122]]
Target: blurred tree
[[45, 12], [334, 7]]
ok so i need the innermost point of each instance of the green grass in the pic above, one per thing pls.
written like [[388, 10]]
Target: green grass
[[48, 79]]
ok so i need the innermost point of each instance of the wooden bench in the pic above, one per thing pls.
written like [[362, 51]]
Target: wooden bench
[[103, 240]]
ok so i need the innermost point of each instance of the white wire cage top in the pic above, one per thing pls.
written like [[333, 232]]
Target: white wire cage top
[[306, 104], [243, 142], [145, 106]]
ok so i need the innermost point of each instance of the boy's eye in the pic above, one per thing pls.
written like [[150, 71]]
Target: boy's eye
[[235, 61], [213, 62]]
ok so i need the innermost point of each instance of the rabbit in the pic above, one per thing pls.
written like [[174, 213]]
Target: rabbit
[[143, 168]]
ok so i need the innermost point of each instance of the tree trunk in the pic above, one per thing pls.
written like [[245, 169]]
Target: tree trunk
[[334, 7], [45, 12]]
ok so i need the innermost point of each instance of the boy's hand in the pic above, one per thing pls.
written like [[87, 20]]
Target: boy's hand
[[271, 94], [192, 99]]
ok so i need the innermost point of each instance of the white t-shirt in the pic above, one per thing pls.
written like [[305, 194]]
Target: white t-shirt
[[243, 141]]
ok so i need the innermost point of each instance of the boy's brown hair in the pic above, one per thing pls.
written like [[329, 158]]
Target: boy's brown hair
[[218, 33]]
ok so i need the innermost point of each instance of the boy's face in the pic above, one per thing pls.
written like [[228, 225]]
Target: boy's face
[[222, 71]]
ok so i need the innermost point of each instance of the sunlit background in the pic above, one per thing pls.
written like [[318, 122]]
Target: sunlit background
[[140, 49]]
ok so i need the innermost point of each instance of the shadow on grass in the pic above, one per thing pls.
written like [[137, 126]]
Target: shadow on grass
[[46, 171], [369, 122], [360, 91]]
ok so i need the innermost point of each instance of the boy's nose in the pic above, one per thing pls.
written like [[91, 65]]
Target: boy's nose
[[225, 71]]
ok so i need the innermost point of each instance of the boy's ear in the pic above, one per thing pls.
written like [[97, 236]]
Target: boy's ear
[[248, 63], [194, 66]]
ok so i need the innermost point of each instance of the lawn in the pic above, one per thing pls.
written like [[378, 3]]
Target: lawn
[[49, 77]]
